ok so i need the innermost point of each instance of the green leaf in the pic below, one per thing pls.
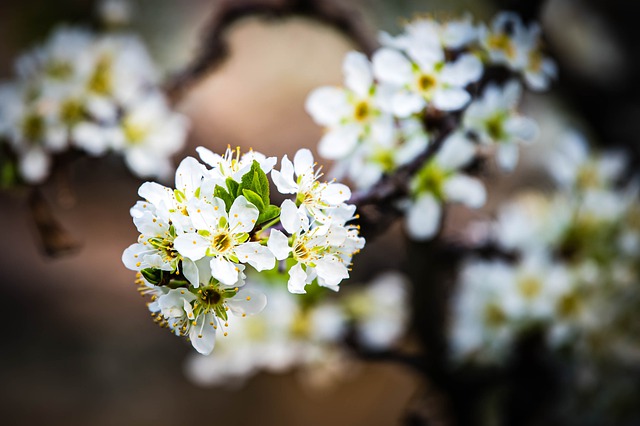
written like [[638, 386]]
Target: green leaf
[[233, 187], [254, 199], [154, 276], [220, 192], [270, 212], [256, 180]]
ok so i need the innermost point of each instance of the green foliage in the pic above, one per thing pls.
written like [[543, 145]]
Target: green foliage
[[254, 186]]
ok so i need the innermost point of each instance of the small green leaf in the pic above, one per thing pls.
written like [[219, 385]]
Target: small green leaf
[[228, 199], [256, 180], [270, 212], [254, 199], [233, 187], [154, 276]]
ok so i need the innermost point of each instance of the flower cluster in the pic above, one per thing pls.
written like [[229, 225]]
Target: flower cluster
[[294, 332], [197, 239], [91, 93], [577, 262], [383, 118]]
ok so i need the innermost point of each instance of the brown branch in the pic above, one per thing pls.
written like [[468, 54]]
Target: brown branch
[[339, 14], [56, 240], [377, 206]]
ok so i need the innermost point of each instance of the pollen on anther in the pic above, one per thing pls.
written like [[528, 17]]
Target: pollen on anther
[[248, 298], [226, 334]]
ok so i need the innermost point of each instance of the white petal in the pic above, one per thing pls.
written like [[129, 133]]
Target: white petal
[[131, 257], [256, 255], [208, 156], [193, 246], [456, 151], [297, 279], [190, 271], [203, 334], [247, 302], [327, 105], [391, 66], [450, 99], [339, 142], [523, 128], [205, 216], [336, 193], [507, 156], [91, 138], [331, 270], [404, 103], [466, 69], [224, 271], [34, 165], [357, 73], [303, 162], [242, 215], [283, 179], [294, 219], [466, 190], [278, 244], [156, 194], [189, 176], [423, 217]]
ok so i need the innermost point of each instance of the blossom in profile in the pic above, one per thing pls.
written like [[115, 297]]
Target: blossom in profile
[[510, 43]]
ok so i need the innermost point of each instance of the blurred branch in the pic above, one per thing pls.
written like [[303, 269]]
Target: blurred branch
[[377, 206], [346, 17], [56, 241]]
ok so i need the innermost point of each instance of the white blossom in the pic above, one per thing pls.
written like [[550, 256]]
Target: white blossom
[[440, 181], [492, 119]]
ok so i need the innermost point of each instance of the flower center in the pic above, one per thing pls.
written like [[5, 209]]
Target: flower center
[[210, 297], [530, 287], [222, 242], [134, 132], [568, 305], [71, 112], [502, 42], [362, 111], [495, 127], [33, 127], [431, 178], [101, 81], [59, 70], [493, 315], [300, 252], [426, 82]]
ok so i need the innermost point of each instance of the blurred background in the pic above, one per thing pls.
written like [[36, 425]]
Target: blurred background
[[80, 347]]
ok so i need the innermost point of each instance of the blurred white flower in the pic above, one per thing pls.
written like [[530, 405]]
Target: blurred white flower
[[440, 181], [350, 113], [493, 119], [419, 76], [510, 43]]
